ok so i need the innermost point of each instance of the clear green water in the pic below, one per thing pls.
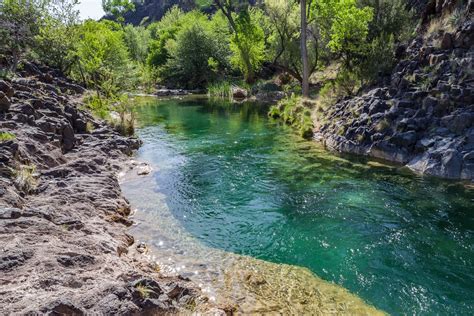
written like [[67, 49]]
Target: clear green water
[[242, 183]]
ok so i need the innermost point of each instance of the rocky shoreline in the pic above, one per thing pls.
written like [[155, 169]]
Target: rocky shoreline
[[422, 116], [63, 218]]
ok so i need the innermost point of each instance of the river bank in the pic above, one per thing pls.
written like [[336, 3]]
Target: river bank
[[63, 218], [421, 116]]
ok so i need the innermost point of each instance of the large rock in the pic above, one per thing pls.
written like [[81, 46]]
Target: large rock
[[4, 102], [6, 88], [239, 93]]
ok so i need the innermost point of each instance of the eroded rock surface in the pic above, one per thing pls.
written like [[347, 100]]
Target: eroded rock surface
[[64, 247]]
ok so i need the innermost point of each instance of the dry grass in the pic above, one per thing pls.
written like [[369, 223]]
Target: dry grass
[[25, 178], [143, 291]]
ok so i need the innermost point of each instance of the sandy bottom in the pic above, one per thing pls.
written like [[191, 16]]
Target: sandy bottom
[[242, 283]]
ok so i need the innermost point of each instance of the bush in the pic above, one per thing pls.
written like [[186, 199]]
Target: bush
[[189, 67], [20, 21], [5, 136]]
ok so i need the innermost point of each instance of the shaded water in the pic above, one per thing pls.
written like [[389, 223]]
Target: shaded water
[[238, 182]]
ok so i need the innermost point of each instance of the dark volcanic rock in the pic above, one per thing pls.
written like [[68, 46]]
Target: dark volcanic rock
[[4, 102], [425, 117]]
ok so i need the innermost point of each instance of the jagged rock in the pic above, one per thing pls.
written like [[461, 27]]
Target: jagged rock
[[67, 226], [62, 307], [447, 41], [239, 93], [4, 102], [6, 88], [406, 139], [68, 138], [428, 121]]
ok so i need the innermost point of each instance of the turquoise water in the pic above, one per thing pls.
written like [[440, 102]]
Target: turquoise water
[[242, 183]]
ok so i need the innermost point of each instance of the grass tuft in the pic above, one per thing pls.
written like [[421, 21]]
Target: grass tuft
[[25, 178], [143, 291], [5, 136]]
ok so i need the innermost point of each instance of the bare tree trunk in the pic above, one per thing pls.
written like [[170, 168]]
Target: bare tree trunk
[[304, 50]]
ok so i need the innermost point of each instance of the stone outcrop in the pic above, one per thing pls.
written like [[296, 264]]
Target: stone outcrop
[[424, 117], [64, 247]]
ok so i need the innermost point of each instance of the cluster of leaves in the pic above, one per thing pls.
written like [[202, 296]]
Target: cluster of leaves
[[189, 50]]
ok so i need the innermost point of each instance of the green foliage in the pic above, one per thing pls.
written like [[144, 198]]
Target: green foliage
[[5, 136], [20, 22], [103, 58], [137, 40], [391, 18], [295, 112], [99, 106], [54, 43], [248, 43], [221, 89], [284, 42], [349, 29], [392, 24], [189, 50], [117, 8]]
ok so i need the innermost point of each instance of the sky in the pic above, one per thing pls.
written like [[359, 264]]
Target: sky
[[90, 9]]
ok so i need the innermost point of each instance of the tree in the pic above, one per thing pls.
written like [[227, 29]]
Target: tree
[[117, 8], [20, 22], [58, 34], [304, 49], [227, 7], [191, 50], [103, 60], [247, 44], [285, 41]]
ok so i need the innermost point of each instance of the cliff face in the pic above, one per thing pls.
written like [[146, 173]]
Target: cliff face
[[154, 10], [424, 117]]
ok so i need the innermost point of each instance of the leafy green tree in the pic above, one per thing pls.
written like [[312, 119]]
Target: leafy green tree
[[20, 22], [57, 35], [284, 41], [161, 32], [103, 61], [242, 29], [248, 44], [196, 50], [137, 41], [117, 8], [349, 31]]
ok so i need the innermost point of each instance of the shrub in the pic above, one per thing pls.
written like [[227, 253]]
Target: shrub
[[5, 136], [382, 125]]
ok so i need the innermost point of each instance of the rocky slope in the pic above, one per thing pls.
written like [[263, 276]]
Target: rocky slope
[[63, 220], [423, 117]]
